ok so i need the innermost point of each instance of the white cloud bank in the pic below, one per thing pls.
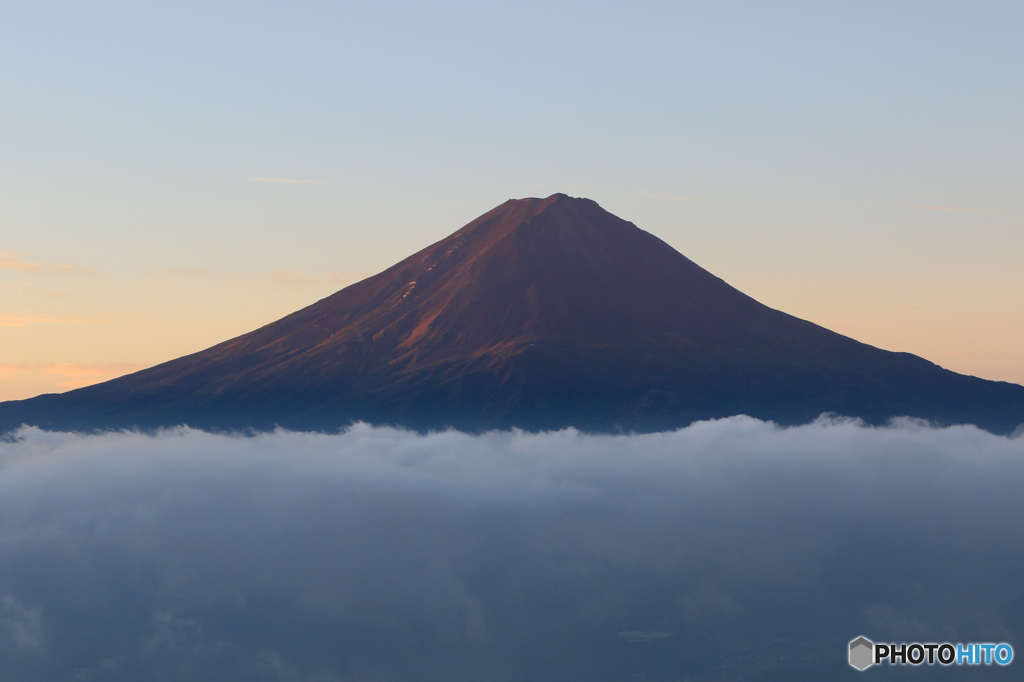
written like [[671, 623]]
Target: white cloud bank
[[727, 550]]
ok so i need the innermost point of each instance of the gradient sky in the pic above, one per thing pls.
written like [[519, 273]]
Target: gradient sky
[[175, 174]]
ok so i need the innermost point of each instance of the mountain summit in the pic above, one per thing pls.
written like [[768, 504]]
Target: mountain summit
[[541, 313]]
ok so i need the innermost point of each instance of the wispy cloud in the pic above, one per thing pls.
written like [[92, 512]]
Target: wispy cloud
[[25, 320], [25, 290], [8, 370], [282, 181], [292, 279], [951, 209], [13, 260], [86, 375], [67, 375], [71, 369]]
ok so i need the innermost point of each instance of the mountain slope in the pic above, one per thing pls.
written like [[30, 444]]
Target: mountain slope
[[542, 313]]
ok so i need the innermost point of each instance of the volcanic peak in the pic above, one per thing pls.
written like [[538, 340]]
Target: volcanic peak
[[541, 313]]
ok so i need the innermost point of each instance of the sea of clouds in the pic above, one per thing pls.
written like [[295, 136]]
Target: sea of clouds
[[731, 549]]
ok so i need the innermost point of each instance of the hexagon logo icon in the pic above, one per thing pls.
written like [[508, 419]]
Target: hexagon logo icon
[[862, 653]]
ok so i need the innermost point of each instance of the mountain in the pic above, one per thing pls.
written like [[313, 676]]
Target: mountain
[[540, 314]]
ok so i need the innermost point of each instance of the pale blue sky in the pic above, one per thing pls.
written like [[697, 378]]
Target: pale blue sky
[[858, 163]]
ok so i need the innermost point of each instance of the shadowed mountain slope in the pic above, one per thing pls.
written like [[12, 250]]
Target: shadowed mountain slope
[[542, 313]]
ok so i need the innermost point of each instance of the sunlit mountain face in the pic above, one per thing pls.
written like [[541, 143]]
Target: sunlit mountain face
[[540, 314]]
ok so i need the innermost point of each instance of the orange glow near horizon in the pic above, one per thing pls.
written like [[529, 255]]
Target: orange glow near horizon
[[133, 323]]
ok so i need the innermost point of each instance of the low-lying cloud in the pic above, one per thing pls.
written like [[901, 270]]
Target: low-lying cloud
[[727, 550]]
